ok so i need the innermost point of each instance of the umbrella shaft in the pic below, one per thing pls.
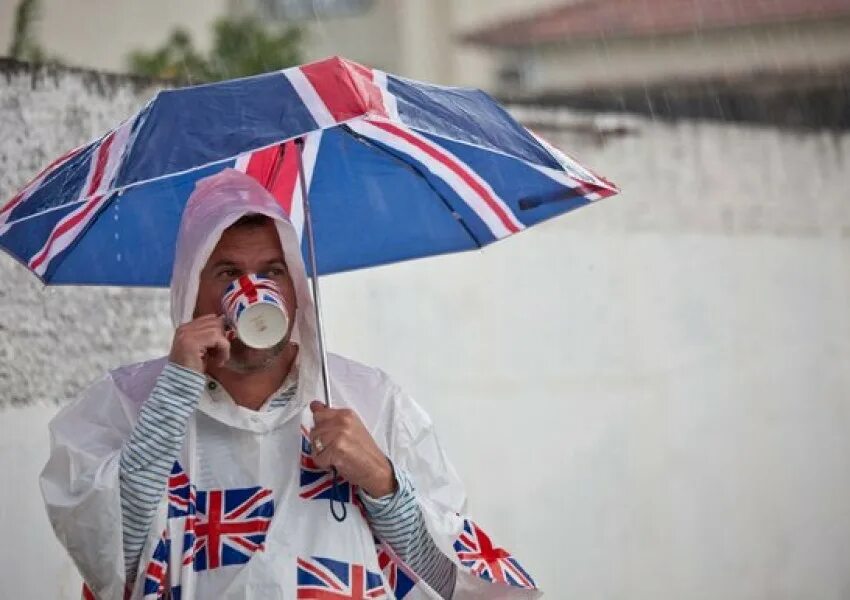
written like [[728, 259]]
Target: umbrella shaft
[[314, 272]]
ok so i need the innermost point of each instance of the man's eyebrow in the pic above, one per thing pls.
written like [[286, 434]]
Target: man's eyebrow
[[224, 263], [229, 263]]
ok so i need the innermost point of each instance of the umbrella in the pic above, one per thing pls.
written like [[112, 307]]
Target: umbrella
[[386, 168], [395, 169]]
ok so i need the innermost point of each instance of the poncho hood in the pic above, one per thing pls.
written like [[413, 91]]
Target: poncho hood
[[216, 203]]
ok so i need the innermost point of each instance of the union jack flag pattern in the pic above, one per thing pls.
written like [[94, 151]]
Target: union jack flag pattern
[[478, 554], [230, 525], [92, 172], [247, 290], [157, 569], [400, 580], [181, 494], [315, 482], [326, 579], [277, 169]]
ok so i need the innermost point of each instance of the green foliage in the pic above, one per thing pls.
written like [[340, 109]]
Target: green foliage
[[241, 46], [23, 45]]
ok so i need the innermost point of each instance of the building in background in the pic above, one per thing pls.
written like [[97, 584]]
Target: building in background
[[415, 38], [782, 61]]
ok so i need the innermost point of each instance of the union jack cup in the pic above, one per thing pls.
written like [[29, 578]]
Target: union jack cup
[[253, 307]]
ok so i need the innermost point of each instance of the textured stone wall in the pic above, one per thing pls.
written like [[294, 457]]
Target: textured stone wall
[[54, 340]]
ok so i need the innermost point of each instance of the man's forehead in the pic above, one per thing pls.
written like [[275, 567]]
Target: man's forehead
[[254, 243], [218, 261]]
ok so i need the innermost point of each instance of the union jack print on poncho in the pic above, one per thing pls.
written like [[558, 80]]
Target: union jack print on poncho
[[230, 525], [399, 579], [315, 482], [322, 578], [477, 553]]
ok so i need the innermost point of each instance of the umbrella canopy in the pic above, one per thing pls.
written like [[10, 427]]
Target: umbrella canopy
[[395, 169]]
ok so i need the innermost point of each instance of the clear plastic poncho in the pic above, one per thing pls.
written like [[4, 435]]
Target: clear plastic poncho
[[246, 513]]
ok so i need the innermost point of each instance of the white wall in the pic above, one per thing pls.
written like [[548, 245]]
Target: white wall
[[647, 398]]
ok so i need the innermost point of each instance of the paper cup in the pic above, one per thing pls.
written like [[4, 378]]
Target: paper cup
[[254, 308]]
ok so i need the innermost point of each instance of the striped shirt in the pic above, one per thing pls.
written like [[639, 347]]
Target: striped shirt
[[154, 445]]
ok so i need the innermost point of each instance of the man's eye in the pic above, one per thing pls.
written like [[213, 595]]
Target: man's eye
[[275, 272], [229, 273]]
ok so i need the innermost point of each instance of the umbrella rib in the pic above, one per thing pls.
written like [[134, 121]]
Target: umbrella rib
[[416, 171]]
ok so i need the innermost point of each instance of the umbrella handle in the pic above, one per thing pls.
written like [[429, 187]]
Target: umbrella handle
[[336, 497]]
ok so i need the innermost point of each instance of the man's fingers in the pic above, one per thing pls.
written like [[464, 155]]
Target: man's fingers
[[319, 408], [326, 449], [204, 320], [327, 436], [221, 349], [322, 414], [215, 345], [199, 340]]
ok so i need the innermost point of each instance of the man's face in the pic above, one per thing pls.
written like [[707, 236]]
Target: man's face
[[241, 250]]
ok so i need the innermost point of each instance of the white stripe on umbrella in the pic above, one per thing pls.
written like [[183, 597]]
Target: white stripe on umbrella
[[115, 156], [310, 97], [293, 204], [242, 162], [309, 155], [390, 102], [467, 184], [65, 232], [574, 174]]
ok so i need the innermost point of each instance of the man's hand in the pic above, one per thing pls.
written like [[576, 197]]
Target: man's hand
[[200, 341], [341, 441]]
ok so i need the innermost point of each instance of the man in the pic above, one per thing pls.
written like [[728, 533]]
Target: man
[[207, 474]]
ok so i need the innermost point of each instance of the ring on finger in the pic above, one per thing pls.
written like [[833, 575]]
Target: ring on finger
[[319, 445]]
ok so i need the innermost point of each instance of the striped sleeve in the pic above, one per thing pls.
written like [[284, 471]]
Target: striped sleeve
[[397, 520], [147, 457]]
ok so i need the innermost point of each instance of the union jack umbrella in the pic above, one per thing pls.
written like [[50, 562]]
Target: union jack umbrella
[[395, 169]]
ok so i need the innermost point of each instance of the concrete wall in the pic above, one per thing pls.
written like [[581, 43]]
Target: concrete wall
[[646, 398]]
